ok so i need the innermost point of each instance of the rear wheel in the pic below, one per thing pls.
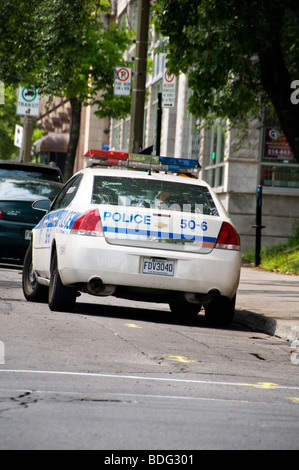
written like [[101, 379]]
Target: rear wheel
[[33, 291], [61, 298], [220, 313]]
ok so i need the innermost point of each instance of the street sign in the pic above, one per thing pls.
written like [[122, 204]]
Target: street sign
[[18, 136], [169, 90], [28, 102], [122, 81]]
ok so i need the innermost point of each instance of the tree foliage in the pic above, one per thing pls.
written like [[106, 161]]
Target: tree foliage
[[8, 121], [238, 56], [65, 48]]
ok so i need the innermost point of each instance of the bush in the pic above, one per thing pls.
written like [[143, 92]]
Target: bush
[[282, 258]]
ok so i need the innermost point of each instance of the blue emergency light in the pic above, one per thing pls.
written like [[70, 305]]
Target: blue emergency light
[[178, 164]]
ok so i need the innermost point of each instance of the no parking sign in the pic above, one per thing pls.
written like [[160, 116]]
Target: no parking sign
[[169, 89], [122, 81]]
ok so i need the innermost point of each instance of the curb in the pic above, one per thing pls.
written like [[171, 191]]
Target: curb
[[267, 325]]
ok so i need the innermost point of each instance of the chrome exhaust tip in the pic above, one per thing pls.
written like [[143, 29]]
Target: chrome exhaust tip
[[96, 287]]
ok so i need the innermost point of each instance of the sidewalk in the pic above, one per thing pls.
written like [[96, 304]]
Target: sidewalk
[[269, 302]]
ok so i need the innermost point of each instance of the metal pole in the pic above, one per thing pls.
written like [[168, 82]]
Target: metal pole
[[258, 227], [159, 124], [139, 78]]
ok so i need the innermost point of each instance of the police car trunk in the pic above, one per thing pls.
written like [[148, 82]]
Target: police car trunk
[[176, 235]]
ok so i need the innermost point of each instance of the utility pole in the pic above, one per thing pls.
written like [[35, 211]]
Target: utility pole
[[27, 139], [139, 78]]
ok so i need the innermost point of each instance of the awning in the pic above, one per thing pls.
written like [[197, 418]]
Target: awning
[[53, 142]]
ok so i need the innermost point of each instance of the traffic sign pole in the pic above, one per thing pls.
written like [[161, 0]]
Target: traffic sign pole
[[27, 139], [258, 226]]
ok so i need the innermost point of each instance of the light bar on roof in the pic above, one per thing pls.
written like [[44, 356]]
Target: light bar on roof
[[141, 162]]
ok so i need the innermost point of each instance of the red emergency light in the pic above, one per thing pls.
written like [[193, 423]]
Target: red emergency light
[[109, 155]]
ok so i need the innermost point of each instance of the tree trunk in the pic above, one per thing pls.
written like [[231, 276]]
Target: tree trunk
[[277, 81], [74, 138]]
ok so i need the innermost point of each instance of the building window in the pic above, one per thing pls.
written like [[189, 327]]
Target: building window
[[280, 176], [191, 137], [150, 116], [214, 170], [116, 135], [158, 67]]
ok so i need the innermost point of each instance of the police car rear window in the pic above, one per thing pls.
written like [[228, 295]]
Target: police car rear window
[[153, 194]]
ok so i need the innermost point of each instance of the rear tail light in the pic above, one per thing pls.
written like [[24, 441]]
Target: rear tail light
[[228, 239], [1, 215], [88, 224]]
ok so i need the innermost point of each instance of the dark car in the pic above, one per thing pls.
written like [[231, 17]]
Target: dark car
[[30, 170], [17, 217]]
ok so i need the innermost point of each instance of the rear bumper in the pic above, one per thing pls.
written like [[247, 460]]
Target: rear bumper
[[122, 266]]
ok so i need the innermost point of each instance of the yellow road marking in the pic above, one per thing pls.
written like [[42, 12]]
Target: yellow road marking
[[265, 385], [180, 359], [294, 399], [132, 325]]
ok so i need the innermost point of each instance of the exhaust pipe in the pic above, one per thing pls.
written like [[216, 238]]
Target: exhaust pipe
[[96, 287], [211, 296]]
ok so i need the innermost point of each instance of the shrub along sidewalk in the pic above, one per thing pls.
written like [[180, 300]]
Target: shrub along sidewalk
[[282, 258]]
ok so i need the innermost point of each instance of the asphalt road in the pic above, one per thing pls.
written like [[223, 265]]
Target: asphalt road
[[125, 376]]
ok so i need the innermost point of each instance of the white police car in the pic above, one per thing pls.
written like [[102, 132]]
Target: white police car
[[136, 227]]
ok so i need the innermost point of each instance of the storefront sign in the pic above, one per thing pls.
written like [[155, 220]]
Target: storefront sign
[[276, 145]]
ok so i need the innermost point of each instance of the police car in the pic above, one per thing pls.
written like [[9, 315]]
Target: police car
[[136, 227]]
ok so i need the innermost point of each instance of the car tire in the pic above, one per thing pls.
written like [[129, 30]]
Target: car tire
[[61, 298], [33, 291], [184, 308], [220, 313]]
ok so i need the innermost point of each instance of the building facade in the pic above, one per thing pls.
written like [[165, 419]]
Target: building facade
[[234, 163]]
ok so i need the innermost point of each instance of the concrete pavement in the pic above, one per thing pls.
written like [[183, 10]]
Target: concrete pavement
[[269, 302], [266, 302]]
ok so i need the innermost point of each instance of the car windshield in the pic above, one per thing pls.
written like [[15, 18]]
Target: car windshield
[[27, 190], [153, 194], [31, 174]]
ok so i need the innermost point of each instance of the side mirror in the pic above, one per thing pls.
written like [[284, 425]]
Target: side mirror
[[43, 205]]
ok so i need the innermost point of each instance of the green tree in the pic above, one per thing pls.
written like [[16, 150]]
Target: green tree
[[8, 121], [17, 33], [69, 48], [239, 56]]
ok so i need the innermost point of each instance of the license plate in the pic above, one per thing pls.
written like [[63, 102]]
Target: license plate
[[160, 267], [28, 234]]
